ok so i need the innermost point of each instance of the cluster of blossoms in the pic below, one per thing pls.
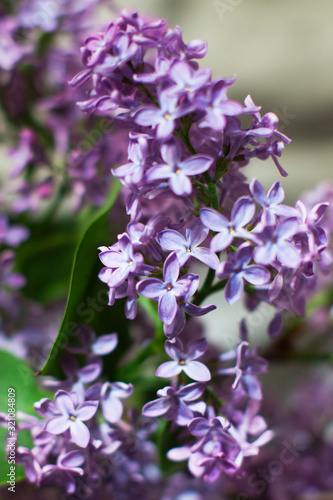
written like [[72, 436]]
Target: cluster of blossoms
[[189, 204], [57, 153]]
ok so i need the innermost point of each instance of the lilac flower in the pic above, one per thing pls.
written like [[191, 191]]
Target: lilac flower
[[276, 244], [216, 106], [216, 464], [163, 119], [241, 214], [178, 171], [137, 154], [72, 418], [184, 306], [120, 261], [33, 470], [212, 429], [65, 471], [237, 269], [122, 51], [166, 292], [271, 202], [250, 424], [184, 360], [186, 80], [188, 247], [176, 405], [110, 395], [100, 346], [11, 235], [316, 235], [248, 365]]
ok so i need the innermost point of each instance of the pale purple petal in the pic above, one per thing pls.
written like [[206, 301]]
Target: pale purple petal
[[58, 425], [288, 255], [172, 240], [105, 344], [221, 241], [192, 391], [242, 211], [206, 256], [196, 348], [157, 407], [197, 371], [180, 184], [151, 288], [64, 403], [169, 369], [171, 269], [213, 220], [234, 289], [112, 409], [256, 275], [196, 164], [87, 410], [167, 308], [80, 433]]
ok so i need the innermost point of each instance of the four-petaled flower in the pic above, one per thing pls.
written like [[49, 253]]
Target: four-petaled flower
[[177, 405], [241, 214], [177, 170], [188, 246], [166, 292], [72, 418], [237, 269], [184, 360]]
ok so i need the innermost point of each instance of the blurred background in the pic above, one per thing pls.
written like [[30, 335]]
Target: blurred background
[[282, 54]]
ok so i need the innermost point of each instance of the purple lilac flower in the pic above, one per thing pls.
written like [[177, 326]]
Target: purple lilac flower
[[211, 429], [167, 291], [241, 214], [316, 235], [110, 395], [188, 246], [184, 360], [250, 424], [276, 244], [72, 418], [176, 405], [177, 170], [66, 470], [120, 261], [237, 269], [248, 365], [100, 346], [271, 203], [184, 306], [163, 119], [216, 106], [137, 154], [11, 235], [186, 80]]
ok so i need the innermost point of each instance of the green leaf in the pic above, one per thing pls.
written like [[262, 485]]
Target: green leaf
[[87, 297], [16, 374], [46, 258]]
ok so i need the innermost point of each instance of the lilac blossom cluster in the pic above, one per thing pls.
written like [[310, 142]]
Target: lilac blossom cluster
[[189, 204], [57, 153], [82, 435]]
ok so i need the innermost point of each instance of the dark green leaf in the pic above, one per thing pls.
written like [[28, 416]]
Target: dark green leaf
[[87, 298]]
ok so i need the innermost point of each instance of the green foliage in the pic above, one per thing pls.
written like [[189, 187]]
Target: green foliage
[[15, 374], [87, 296]]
